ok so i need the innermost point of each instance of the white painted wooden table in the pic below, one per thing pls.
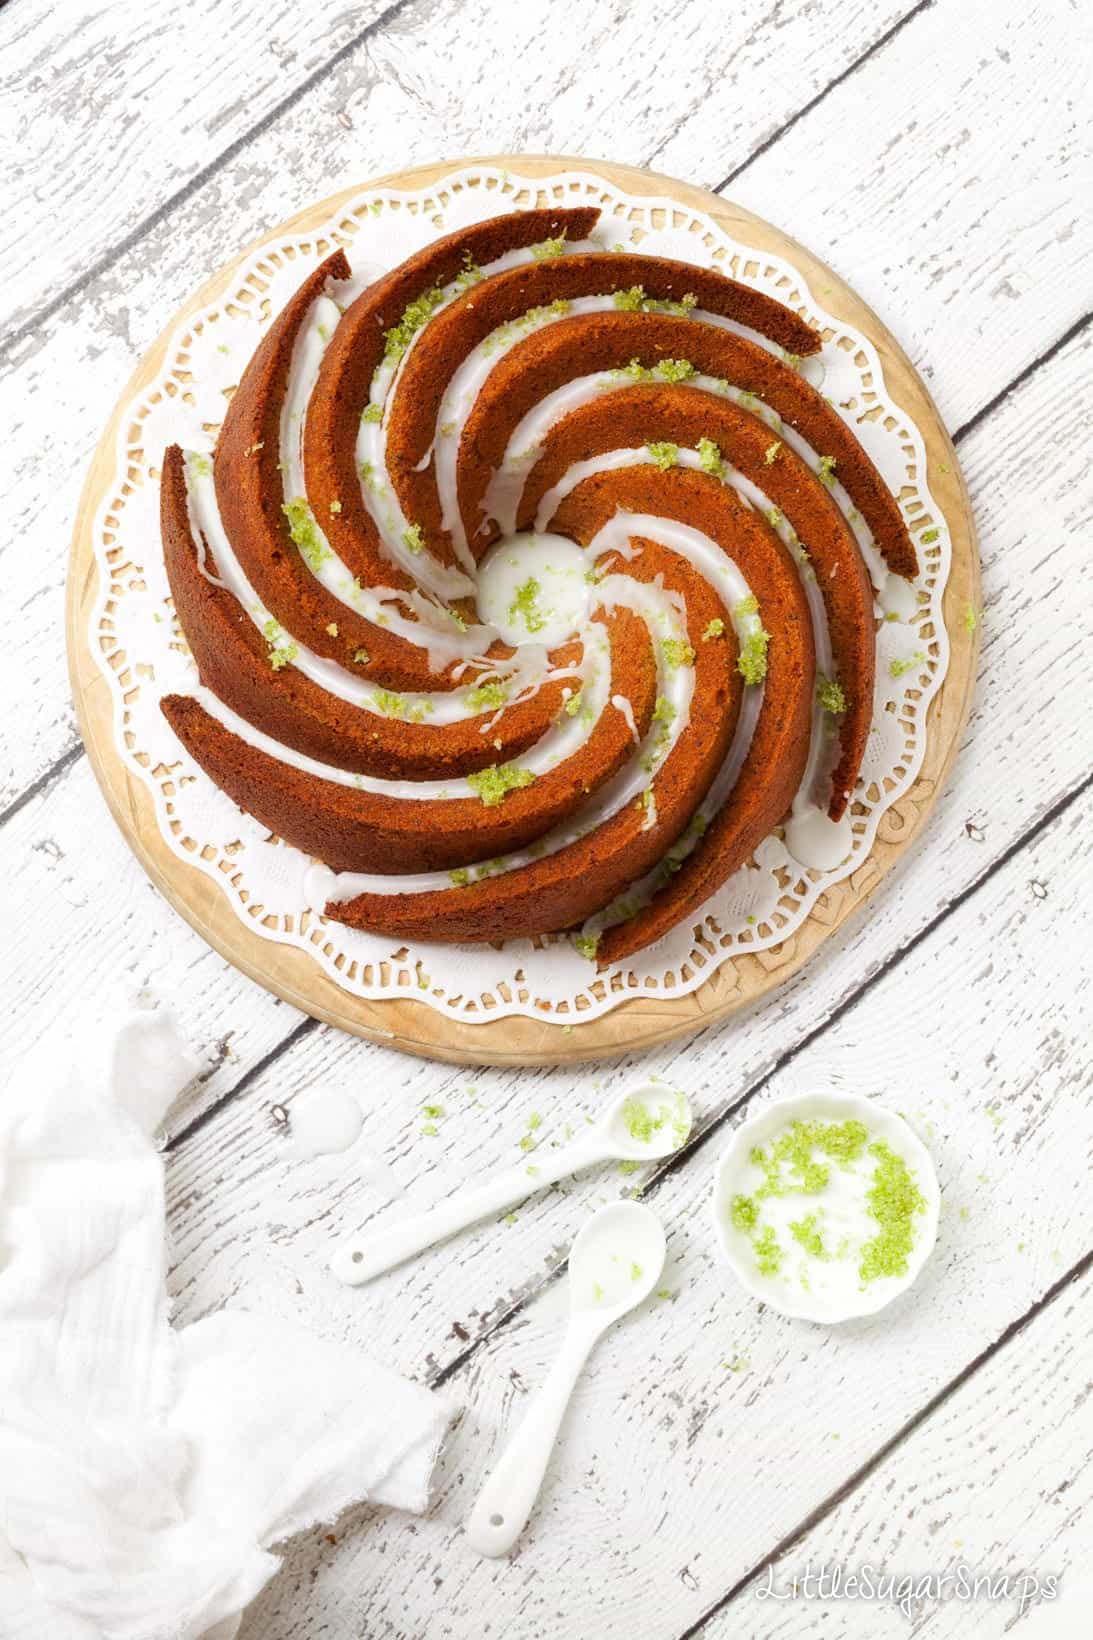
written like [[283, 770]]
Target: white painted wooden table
[[934, 154]]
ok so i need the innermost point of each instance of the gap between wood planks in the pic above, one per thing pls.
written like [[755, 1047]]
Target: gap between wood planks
[[814, 102], [10, 342], [863, 1472], [198, 180]]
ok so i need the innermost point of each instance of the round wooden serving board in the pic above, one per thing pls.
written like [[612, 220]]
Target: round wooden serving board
[[409, 1024]]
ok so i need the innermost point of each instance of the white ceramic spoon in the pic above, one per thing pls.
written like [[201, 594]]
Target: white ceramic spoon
[[614, 1263], [641, 1125]]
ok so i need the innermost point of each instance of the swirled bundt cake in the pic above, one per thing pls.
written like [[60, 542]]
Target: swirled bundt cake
[[531, 588]]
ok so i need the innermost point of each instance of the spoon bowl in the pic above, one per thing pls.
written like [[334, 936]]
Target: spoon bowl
[[646, 1123], [615, 1262]]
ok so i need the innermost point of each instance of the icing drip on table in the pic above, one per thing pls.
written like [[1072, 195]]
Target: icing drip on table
[[324, 1122]]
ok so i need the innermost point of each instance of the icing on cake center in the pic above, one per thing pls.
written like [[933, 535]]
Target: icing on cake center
[[534, 589]]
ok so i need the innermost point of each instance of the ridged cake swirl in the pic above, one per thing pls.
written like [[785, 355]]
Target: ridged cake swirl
[[531, 587]]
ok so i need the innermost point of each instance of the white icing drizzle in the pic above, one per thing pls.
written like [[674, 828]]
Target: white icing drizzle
[[323, 1122], [445, 642], [718, 569], [522, 676], [371, 452], [621, 704], [811, 837], [503, 493], [562, 740], [664, 617], [534, 587]]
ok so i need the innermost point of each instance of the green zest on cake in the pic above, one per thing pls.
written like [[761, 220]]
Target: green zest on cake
[[827, 1203], [525, 606], [752, 662], [487, 696], [494, 784], [305, 533], [465, 586]]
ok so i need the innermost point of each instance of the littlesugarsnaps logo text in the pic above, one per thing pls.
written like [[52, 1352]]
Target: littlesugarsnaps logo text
[[907, 1590]]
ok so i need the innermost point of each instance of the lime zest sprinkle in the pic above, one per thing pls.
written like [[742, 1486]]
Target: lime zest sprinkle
[[894, 1199], [789, 1165], [805, 1232], [550, 249], [710, 459], [829, 694], [305, 533], [412, 538], [825, 472], [415, 314], [587, 944], [525, 605], [372, 412], [488, 695], [664, 454], [493, 784], [676, 370], [770, 454], [743, 1214], [630, 300], [768, 1253], [469, 274], [746, 606], [715, 629], [677, 652], [283, 650], [752, 660], [897, 668]]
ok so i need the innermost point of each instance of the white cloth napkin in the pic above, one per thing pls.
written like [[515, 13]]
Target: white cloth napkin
[[145, 1473]]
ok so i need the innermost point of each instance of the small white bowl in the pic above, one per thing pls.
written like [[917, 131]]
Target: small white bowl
[[729, 1177]]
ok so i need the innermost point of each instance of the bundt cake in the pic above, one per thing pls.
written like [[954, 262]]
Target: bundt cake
[[531, 588]]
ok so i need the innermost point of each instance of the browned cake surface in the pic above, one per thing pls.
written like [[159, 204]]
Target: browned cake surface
[[387, 833]]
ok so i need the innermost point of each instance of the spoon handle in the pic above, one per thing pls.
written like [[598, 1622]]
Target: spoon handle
[[369, 1253], [508, 1497]]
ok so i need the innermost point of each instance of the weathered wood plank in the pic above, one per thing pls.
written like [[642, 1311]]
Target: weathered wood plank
[[82, 924], [112, 115], [981, 1484], [109, 112], [705, 1429]]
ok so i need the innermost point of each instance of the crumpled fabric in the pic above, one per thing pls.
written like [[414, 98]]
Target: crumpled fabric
[[147, 1472]]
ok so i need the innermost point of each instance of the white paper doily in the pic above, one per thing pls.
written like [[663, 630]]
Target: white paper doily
[[134, 638]]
